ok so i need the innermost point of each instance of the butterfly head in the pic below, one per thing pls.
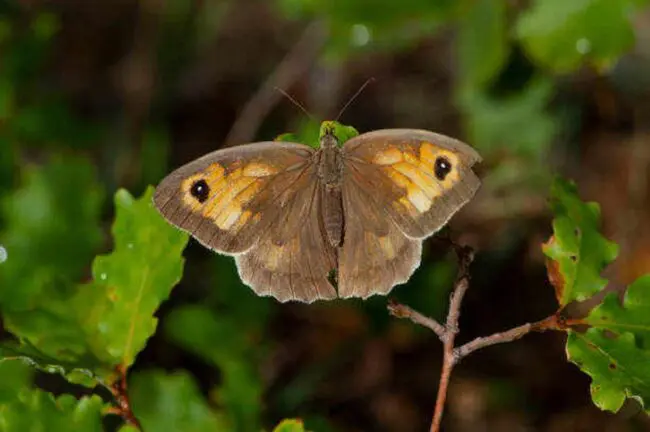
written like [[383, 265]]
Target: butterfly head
[[335, 133]]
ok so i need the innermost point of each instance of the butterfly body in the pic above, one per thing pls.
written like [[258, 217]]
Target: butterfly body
[[330, 175], [291, 214]]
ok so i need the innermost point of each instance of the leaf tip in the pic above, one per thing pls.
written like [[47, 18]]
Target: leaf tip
[[123, 197]]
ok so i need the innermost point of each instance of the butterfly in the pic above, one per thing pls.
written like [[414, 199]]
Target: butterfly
[[344, 220]]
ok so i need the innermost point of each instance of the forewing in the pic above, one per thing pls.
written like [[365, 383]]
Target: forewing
[[292, 260], [229, 198], [375, 255], [420, 178]]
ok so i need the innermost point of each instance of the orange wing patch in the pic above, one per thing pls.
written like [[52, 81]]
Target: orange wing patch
[[417, 174], [229, 192], [258, 170], [388, 157]]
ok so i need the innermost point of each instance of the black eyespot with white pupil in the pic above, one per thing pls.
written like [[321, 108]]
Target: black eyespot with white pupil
[[200, 190], [442, 168]]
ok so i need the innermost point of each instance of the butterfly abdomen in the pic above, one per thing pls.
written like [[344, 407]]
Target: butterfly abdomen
[[333, 214]]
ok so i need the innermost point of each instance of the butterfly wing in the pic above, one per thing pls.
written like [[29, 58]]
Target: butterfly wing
[[375, 255], [255, 202], [424, 178], [226, 198], [292, 261]]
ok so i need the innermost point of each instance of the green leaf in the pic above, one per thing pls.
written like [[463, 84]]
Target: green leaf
[[630, 316], [482, 45], [377, 24], [25, 409], [290, 426], [117, 308], [97, 328], [288, 137], [307, 133], [518, 124], [577, 251], [615, 352], [76, 371], [52, 230], [562, 34], [13, 376], [617, 366], [195, 328], [171, 402], [342, 132]]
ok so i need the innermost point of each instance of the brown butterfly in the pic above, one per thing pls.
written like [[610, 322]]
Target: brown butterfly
[[291, 214]]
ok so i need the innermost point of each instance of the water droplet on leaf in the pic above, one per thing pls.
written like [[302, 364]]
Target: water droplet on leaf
[[360, 35], [583, 46]]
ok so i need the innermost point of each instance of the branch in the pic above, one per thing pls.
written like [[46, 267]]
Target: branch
[[497, 338], [401, 311], [447, 333], [553, 322], [301, 56]]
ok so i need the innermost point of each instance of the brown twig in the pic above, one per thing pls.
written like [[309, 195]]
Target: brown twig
[[496, 338], [120, 393], [553, 322], [447, 334], [301, 56], [401, 311]]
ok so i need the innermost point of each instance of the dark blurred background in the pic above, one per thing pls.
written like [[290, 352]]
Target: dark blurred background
[[540, 88]]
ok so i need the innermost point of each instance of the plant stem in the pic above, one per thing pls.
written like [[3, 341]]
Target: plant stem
[[123, 408]]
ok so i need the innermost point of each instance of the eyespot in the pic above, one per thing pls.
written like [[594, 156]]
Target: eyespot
[[442, 167], [200, 190]]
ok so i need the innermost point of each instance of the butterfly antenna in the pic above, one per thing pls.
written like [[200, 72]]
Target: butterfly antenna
[[349, 102], [295, 102]]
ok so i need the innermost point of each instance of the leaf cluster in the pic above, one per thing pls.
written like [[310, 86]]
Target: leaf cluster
[[614, 350]]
